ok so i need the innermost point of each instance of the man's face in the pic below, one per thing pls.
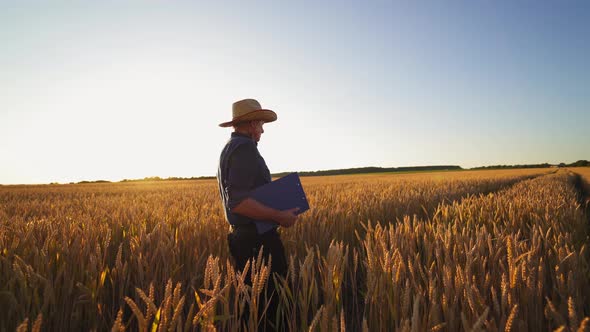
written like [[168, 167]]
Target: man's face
[[256, 130]]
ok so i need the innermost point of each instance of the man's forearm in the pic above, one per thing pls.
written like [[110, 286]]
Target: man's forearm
[[256, 210]]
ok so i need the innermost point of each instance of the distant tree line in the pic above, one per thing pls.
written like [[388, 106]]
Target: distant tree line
[[150, 178], [363, 170], [173, 178], [579, 163], [545, 165]]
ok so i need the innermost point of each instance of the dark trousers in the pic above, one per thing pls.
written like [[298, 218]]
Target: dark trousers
[[244, 244]]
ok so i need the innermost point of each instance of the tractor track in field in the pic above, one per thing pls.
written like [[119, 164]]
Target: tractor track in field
[[354, 305], [500, 189]]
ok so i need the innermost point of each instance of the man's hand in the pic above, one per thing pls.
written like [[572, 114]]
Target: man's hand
[[255, 210], [287, 218]]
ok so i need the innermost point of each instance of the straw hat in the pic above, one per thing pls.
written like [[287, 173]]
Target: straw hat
[[249, 110]]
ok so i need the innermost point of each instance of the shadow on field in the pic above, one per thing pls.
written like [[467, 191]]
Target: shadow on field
[[583, 188]]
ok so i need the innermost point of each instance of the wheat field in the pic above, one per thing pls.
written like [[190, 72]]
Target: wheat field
[[499, 250]]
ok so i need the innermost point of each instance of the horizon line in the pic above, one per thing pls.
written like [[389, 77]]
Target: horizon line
[[204, 177]]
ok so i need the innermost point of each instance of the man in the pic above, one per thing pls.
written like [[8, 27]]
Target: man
[[242, 169]]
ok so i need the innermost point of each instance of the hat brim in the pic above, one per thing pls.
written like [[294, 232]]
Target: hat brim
[[263, 115]]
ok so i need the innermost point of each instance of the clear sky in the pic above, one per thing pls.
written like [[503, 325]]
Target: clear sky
[[110, 90]]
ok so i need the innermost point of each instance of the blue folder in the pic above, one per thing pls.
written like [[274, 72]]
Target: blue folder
[[282, 194]]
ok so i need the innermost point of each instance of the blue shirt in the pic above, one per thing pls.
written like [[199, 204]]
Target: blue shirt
[[241, 169]]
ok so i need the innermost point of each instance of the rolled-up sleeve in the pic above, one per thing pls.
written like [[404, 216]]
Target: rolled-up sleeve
[[243, 167]]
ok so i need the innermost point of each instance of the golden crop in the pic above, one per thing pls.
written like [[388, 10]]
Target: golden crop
[[442, 251]]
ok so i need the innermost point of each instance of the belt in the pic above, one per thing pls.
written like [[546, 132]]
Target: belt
[[249, 230], [244, 228]]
